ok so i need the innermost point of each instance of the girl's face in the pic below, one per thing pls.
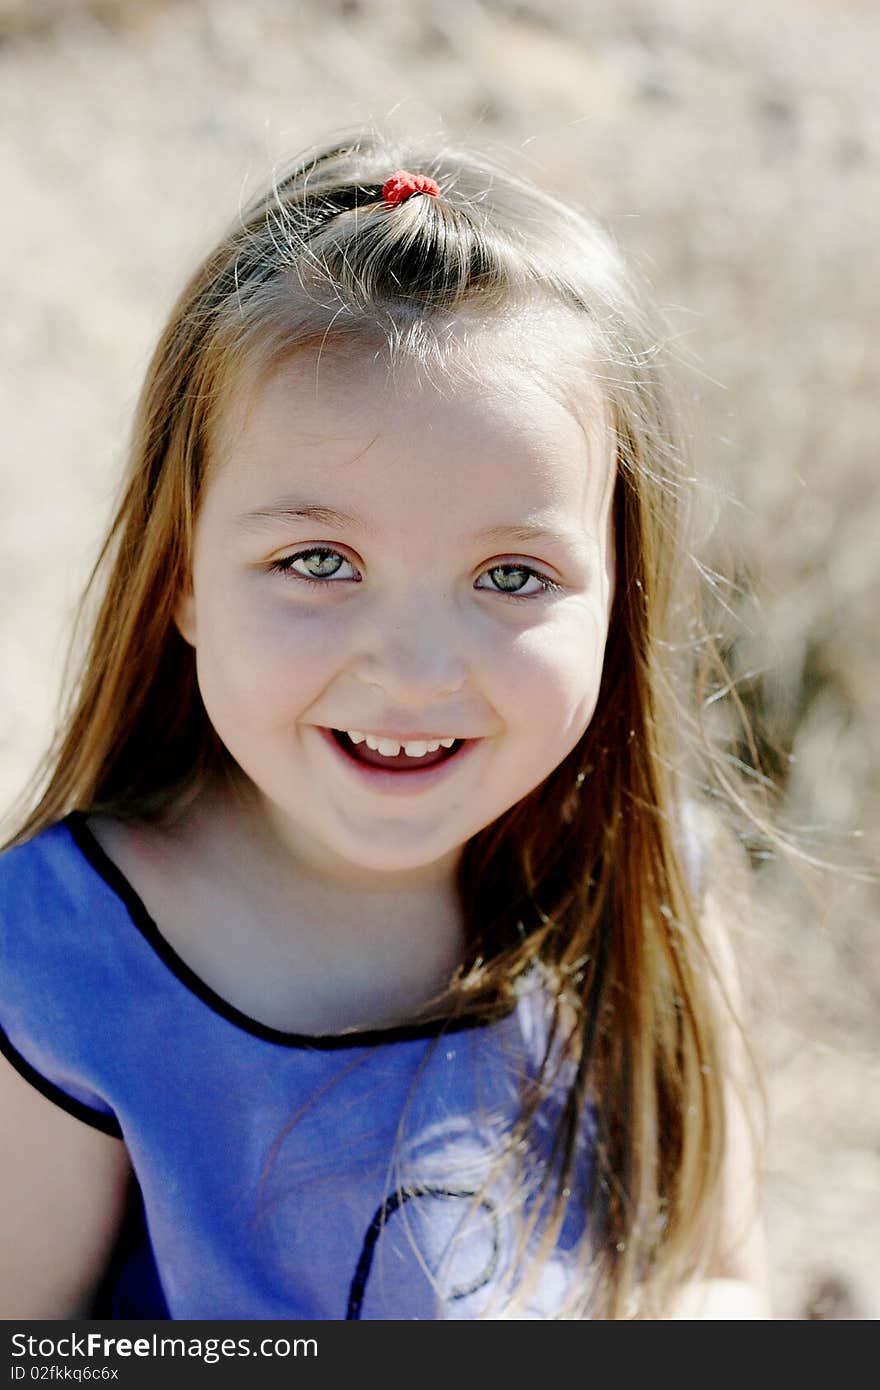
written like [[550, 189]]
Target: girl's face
[[432, 609]]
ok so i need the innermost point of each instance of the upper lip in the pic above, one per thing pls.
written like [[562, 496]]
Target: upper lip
[[418, 737]]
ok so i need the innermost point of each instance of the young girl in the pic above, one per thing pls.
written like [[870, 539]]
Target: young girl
[[358, 959]]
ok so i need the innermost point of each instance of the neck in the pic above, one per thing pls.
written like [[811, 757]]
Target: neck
[[377, 949]]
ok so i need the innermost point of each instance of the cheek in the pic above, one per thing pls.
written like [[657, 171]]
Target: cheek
[[552, 671], [258, 655]]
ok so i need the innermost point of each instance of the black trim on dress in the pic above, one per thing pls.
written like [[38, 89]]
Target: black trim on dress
[[96, 1118], [104, 866]]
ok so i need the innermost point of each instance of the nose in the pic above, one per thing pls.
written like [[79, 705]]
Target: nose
[[415, 653]]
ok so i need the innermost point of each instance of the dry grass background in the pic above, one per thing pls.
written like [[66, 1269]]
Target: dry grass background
[[733, 151]]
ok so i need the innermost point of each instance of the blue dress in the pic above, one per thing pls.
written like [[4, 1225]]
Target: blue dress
[[278, 1176]]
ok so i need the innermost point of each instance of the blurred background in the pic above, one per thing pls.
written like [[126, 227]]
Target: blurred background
[[733, 153]]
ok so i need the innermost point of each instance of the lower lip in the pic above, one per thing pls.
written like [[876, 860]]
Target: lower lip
[[404, 783]]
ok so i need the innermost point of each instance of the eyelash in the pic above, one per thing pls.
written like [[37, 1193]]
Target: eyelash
[[283, 566]]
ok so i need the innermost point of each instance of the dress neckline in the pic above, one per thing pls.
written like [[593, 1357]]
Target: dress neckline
[[122, 888]]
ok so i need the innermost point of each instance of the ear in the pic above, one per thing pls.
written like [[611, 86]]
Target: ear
[[185, 616]]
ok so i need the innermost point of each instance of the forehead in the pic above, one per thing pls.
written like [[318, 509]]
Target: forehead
[[511, 404]]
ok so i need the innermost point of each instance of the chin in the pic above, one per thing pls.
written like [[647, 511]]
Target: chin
[[373, 859]]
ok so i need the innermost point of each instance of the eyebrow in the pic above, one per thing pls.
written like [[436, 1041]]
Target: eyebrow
[[284, 510]]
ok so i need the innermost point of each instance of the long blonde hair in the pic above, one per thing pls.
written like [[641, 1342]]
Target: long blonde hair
[[585, 878]]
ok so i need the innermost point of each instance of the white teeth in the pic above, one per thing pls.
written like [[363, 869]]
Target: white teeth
[[390, 748]]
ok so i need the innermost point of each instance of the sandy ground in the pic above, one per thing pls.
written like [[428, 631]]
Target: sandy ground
[[733, 151]]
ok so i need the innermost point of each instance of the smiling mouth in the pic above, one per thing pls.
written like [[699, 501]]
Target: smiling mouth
[[402, 762]]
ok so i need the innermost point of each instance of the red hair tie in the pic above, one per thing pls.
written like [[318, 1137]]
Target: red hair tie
[[403, 185]]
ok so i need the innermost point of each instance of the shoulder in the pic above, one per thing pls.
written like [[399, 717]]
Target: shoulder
[[45, 883], [41, 881], [52, 971], [35, 856]]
